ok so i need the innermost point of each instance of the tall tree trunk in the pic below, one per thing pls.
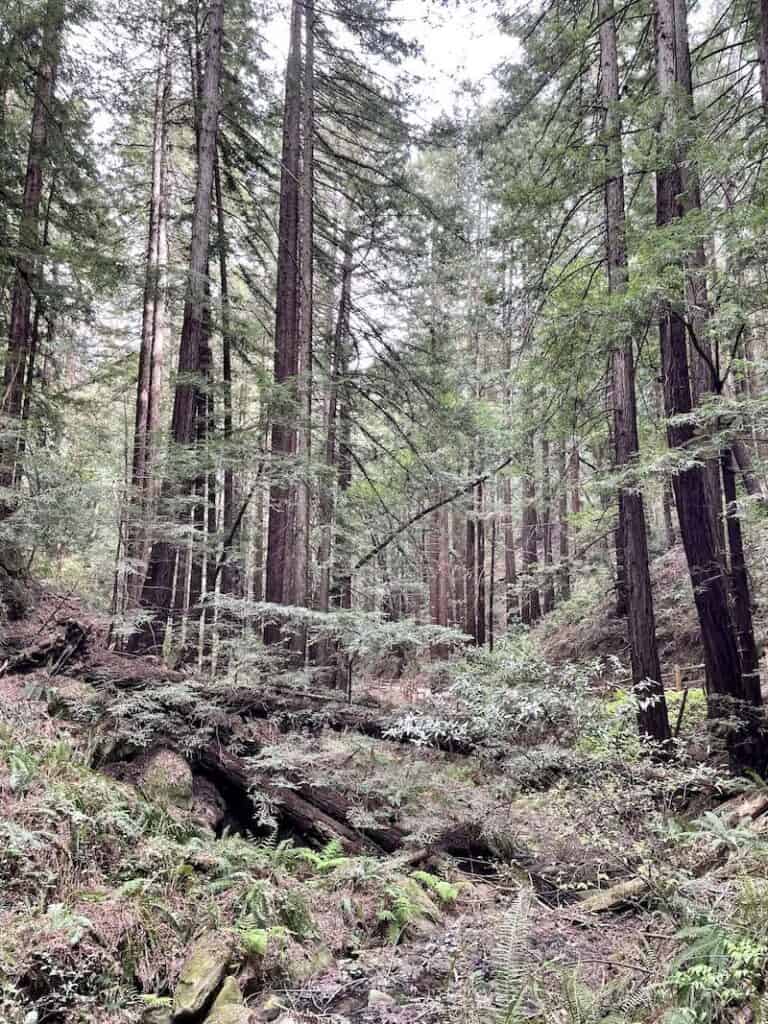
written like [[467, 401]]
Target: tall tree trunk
[[157, 593], [761, 7], [742, 605], [343, 559], [480, 614], [653, 720], [548, 583], [492, 586], [337, 360], [153, 332], [564, 567], [510, 566], [574, 470], [27, 259], [281, 548], [458, 574], [232, 568], [444, 568], [701, 357], [530, 605], [470, 572], [728, 696], [306, 313]]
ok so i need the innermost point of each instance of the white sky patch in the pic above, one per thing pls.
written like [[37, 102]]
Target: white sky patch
[[461, 45]]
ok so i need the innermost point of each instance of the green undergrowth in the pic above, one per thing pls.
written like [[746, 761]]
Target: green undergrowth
[[101, 892]]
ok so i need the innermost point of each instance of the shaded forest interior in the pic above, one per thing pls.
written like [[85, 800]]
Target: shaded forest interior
[[361, 410]]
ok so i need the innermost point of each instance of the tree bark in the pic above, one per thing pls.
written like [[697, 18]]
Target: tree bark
[[548, 583], [563, 568], [728, 696], [153, 331], [281, 553], [742, 602], [761, 7], [653, 720], [510, 561], [302, 514], [530, 606], [232, 568], [27, 260], [157, 592]]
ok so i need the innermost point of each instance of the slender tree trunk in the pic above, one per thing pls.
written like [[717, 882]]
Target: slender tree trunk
[[470, 573], [492, 586], [343, 560], [444, 567], [27, 260], [231, 570], [153, 333], [480, 614], [337, 360], [510, 566], [574, 470], [458, 567], [158, 586], [281, 535], [728, 695], [564, 568], [742, 603], [530, 606], [653, 720], [302, 512], [761, 8], [548, 584]]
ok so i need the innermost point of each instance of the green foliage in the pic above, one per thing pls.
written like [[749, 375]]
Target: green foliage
[[446, 892], [715, 970], [512, 962]]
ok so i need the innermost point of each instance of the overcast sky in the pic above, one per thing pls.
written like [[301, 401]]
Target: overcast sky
[[459, 45]]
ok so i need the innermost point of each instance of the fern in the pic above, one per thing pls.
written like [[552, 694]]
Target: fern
[[446, 892], [402, 911], [511, 961]]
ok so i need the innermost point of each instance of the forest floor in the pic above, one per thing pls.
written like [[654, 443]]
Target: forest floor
[[343, 869]]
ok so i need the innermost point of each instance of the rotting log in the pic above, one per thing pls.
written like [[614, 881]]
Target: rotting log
[[317, 814], [53, 653], [305, 710], [298, 810], [617, 897]]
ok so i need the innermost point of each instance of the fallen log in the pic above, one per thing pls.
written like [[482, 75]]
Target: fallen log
[[297, 810], [617, 897], [53, 653], [297, 709], [317, 814]]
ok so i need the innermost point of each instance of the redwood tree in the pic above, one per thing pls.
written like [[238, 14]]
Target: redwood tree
[[646, 670], [156, 596]]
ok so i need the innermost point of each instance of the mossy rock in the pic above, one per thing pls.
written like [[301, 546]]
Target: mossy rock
[[228, 1007], [166, 778], [202, 973], [157, 1010]]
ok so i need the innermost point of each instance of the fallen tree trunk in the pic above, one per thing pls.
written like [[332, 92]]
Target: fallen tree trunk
[[300, 810], [317, 814], [53, 653], [306, 710]]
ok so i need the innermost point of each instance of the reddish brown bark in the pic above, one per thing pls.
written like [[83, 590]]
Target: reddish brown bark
[[26, 264], [632, 556], [530, 605], [281, 534], [548, 581], [510, 561], [728, 695], [157, 592], [563, 567], [153, 330]]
